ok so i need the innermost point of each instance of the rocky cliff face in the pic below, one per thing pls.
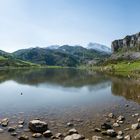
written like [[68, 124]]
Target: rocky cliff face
[[130, 42]]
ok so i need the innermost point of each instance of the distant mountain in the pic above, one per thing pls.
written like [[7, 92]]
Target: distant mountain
[[53, 47], [61, 56], [99, 47]]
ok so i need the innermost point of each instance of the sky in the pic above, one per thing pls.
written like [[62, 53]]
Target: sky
[[31, 23]]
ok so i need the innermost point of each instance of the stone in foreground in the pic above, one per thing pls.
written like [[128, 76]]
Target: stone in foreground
[[38, 126], [97, 138], [23, 137]]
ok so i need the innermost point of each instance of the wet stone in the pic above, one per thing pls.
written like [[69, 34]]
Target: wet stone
[[135, 126], [72, 131], [23, 137], [97, 138], [37, 135], [106, 126], [47, 133], [38, 126]]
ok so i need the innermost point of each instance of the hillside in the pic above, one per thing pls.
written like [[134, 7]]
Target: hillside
[[7, 60], [61, 56]]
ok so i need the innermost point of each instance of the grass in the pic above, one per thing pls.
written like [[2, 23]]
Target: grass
[[123, 68]]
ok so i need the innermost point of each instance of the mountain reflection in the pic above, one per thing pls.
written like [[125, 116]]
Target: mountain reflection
[[61, 77]]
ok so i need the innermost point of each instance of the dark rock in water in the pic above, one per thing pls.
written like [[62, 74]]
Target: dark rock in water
[[111, 133], [14, 134], [106, 126], [72, 131], [23, 137], [47, 133], [11, 129], [69, 124], [38, 126]]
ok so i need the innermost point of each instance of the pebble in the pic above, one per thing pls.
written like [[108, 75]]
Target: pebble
[[135, 126], [128, 137], [97, 138], [37, 135], [47, 133]]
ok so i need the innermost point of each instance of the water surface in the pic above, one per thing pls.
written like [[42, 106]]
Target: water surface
[[64, 94]]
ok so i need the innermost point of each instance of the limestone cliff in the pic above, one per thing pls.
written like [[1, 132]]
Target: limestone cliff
[[130, 42]]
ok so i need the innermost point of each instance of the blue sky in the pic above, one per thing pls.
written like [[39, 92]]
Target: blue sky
[[30, 23]]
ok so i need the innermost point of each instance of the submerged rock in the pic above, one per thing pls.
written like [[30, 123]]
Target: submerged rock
[[47, 133], [106, 126], [38, 126], [37, 135], [97, 138], [23, 137], [74, 137]]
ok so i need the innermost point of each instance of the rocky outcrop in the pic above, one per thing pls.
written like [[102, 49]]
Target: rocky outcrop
[[130, 42]]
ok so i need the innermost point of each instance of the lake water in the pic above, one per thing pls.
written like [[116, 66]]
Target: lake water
[[64, 95]]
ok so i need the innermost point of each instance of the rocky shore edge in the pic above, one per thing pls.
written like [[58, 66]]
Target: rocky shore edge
[[40, 129]]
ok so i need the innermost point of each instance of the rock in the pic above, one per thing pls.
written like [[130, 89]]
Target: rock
[[110, 115], [69, 124], [37, 135], [97, 130], [23, 137], [116, 125], [11, 129], [111, 133], [14, 134], [58, 135], [97, 138], [20, 126], [69, 137], [128, 137], [1, 130], [137, 137], [120, 133], [135, 126], [120, 137], [72, 131], [77, 137], [38, 126], [74, 137], [121, 118], [47, 133], [138, 119], [126, 129], [20, 122], [4, 122], [106, 126]]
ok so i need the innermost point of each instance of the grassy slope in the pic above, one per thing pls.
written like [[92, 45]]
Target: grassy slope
[[9, 62], [123, 68]]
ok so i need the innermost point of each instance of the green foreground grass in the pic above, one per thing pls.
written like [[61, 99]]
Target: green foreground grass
[[123, 68]]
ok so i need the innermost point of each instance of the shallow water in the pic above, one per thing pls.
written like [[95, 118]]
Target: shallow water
[[63, 95]]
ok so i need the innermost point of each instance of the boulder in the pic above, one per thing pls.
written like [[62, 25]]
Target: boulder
[[38, 126]]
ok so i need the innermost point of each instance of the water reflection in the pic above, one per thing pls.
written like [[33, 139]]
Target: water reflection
[[63, 77], [128, 88]]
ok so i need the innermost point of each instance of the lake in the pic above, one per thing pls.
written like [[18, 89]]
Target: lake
[[59, 96]]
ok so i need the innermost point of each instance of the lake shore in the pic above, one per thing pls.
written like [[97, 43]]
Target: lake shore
[[112, 123]]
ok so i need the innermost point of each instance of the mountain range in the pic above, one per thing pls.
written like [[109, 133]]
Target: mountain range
[[65, 55]]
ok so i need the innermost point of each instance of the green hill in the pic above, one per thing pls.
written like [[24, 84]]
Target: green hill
[[7, 60], [65, 55]]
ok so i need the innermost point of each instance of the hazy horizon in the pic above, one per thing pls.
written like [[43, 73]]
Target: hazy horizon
[[25, 24]]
